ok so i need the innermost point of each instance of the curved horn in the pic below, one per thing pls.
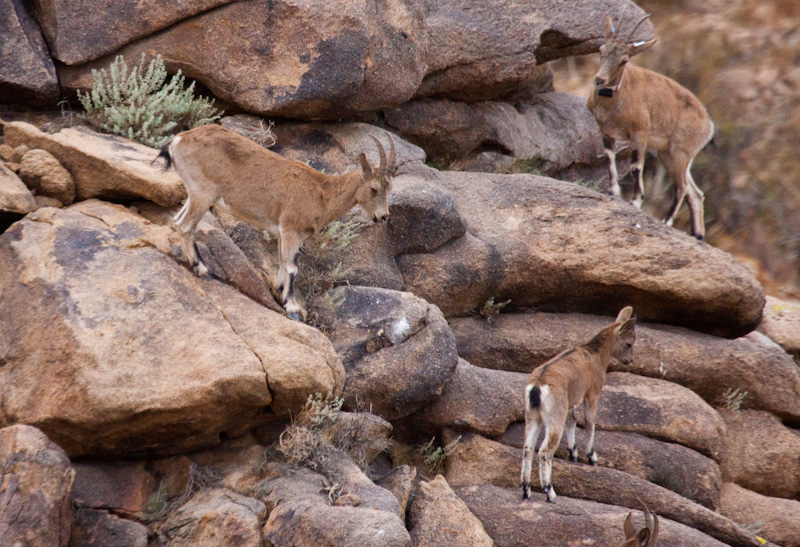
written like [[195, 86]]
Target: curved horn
[[636, 26], [381, 153], [392, 154]]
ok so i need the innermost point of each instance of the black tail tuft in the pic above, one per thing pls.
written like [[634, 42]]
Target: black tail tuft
[[167, 158], [535, 397]]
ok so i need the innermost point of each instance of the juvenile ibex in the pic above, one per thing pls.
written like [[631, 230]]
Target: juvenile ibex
[[285, 197], [650, 112], [555, 388], [645, 537]]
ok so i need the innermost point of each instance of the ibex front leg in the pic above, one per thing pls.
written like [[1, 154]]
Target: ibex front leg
[[290, 243], [608, 148], [590, 409]]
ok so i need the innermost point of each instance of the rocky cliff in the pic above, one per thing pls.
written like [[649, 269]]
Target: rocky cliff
[[141, 405]]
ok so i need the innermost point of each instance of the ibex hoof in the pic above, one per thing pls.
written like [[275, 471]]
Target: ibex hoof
[[592, 457], [573, 454], [551, 494], [699, 237], [526, 491], [294, 315]]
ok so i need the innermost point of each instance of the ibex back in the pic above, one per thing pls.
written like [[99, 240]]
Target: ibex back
[[651, 112], [285, 197], [556, 388]]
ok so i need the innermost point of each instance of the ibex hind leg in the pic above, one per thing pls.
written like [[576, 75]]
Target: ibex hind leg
[[185, 222], [532, 428]]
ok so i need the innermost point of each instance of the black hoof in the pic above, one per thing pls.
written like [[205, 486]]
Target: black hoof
[[295, 315], [699, 237], [573, 455]]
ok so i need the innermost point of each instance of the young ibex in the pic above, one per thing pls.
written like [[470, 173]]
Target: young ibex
[[645, 537], [650, 112], [285, 197], [555, 388]]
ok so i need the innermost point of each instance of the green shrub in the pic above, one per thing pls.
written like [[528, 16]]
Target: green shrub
[[137, 103]]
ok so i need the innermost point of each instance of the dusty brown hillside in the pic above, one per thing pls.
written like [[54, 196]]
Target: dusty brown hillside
[[742, 59]]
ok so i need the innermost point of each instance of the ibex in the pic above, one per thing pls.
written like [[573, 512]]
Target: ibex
[[287, 198], [645, 537], [554, 389], [650, 112]]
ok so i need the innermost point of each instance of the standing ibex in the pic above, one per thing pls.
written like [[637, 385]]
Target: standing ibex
[[645, 537], [651, 112], [555, 388], [285, 197]]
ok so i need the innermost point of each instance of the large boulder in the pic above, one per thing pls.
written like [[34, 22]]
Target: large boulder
[[662, 410], [477, 461], [35, 483], [556, 246], [79, 32], [43, 173], [27, 74], [301, 512], [475, 399], [480, 51], [438, 517], [291, 58], [195, 357], [513, 522], [103, 166], [551, 133], [761, 454], [396, 348], [216, 518], [782, 323], [708, 365], [96, 527], [15, 197], [122, 487], [670, 465], [776, 519]]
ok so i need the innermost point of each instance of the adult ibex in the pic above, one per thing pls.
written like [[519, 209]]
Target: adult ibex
[[285, 197], [645, 537], [650, 112], [555, 388]]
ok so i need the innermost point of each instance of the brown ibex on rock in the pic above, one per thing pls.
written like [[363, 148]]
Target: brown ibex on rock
[[650, 112], [555, 388], [287, 198], [645, 537]]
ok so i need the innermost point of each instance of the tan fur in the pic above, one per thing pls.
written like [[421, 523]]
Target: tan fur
[[650, 112], [573, 377], [287, 198]]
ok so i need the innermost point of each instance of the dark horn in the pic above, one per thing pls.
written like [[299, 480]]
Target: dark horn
[[381, 153], [636, 27]]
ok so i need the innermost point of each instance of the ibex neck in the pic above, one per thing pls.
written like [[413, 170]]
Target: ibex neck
[[602, 345], [342, 190]]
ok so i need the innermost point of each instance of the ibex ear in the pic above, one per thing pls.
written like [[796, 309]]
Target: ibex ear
[[624, 314], [609, 28], [635, 48], [628, 528], [365, 166]]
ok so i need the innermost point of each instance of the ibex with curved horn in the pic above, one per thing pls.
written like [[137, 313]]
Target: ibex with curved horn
[[651, 112], [645, 537], [285, 197]]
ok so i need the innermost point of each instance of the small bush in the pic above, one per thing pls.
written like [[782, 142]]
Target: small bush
[[733, 398], [491, 309], [137, 103]]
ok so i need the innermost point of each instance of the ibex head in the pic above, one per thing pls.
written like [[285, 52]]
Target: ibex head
[[614, 55], [645, 537], [625, 333], [376, 181]]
